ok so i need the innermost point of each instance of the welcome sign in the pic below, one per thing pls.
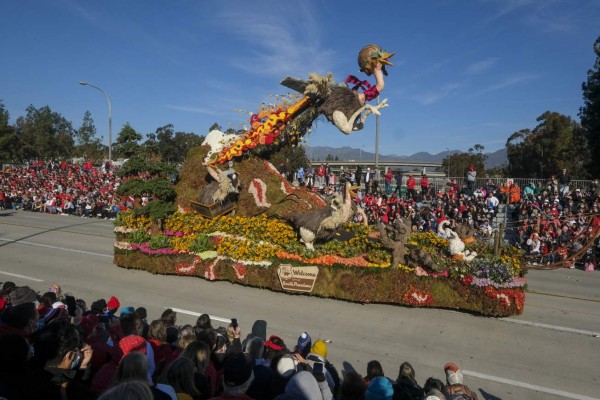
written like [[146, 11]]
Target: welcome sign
[[297, 279]]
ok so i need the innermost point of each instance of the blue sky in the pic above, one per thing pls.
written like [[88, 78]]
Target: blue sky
[[465, 72]]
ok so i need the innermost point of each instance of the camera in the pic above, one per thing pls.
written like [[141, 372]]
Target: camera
[[234, 323]]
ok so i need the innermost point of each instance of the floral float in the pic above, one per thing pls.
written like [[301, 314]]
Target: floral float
[[249, 251], [257, 247]]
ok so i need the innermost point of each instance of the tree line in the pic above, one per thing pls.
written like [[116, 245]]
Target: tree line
[[556, 142], [45, 134]]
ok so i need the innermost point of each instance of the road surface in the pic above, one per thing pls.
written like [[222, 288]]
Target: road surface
[[552, 351]]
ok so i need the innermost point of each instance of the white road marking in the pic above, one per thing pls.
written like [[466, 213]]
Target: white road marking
[[197, 314], [21, 276], [524, 385], [57, 248], [553, 327]]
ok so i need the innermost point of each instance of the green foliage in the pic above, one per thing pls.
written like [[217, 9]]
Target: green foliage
[[44, 134], [215, 126], [159, 241], [159, 188], [292, 156], [378, 256], [137, 165], [202, 243], [126, 144], [156, 210], [87, 144], [9, 141], [555, 143], [590, 113], [139, 237], [169, 145], [460, 162]]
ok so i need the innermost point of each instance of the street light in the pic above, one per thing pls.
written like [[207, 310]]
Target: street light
[[109, 118], [377, 176], [448, 148]]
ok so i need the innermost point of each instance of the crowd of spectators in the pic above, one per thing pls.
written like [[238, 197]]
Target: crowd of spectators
[[550, 221], [58, 187], [56, 346]]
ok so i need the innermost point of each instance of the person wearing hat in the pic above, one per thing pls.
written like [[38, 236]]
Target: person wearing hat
[[534, 244], [454, 382], [318, 353], [304, 344], [380, 388], [306, 386], [471, 174], [238, 375], [21, 295]]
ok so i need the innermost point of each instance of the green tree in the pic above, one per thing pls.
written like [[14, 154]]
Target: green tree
[[215, 126], [460, 162], [555, 143], [149, 148], [166, 146], [183, 142], [292, 156], [158, 186], [45, 134], [127, 142], [9, 141], [87, 144], [590, 113]]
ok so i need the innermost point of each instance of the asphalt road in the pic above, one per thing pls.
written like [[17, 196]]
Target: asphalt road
[[552, 351]]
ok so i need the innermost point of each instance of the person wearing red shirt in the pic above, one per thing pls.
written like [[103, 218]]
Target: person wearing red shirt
[[424, 185], [321, 172], [389, 175], [410, 186]]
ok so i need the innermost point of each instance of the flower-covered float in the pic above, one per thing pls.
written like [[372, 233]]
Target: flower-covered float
[[272, 235]]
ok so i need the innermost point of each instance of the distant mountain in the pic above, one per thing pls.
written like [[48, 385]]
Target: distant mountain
[[346, 153]]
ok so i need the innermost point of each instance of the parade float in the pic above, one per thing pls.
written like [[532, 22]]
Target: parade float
[[239, 220]]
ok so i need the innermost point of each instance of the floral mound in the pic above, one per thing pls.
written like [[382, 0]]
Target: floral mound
[[250, 250], [263, 188]]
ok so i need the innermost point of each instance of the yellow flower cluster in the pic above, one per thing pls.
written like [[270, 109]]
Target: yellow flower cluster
[[182, 243], [513, 262], [128, 220], [428, 240], [258, 228], [240, 249], [187, 222]]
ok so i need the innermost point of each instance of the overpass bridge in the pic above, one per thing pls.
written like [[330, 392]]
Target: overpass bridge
[[402, 165]]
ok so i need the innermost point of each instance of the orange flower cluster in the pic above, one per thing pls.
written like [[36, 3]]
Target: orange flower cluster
[[328, 260], [266, 126]]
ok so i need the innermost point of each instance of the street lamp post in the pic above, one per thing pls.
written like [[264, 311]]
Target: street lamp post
[[377, 176], [109, 118], [448, 148]]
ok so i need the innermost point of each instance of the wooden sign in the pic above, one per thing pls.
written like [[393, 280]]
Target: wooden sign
[[297, 279]]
